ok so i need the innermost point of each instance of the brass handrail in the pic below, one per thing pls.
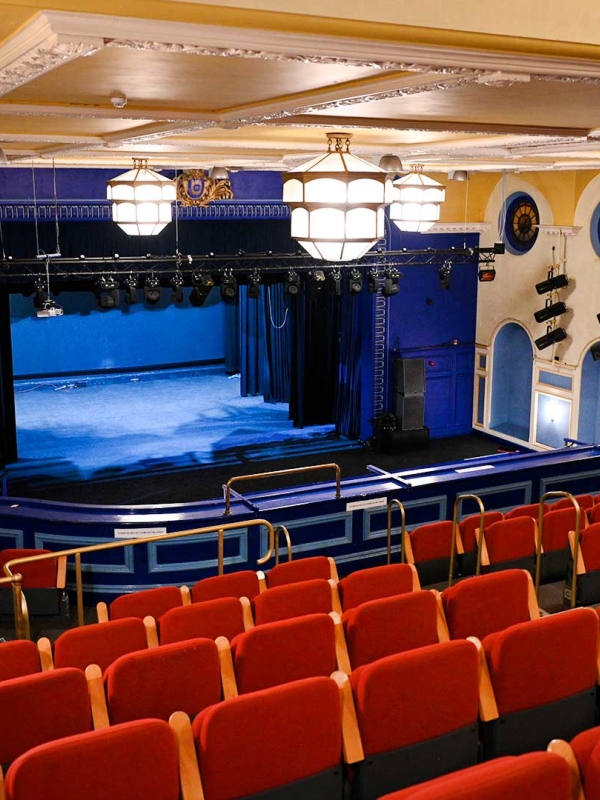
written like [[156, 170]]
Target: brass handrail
[[294, 471], [391, 503], [538, 550], [457, 506], [288, 542], [21, 612]]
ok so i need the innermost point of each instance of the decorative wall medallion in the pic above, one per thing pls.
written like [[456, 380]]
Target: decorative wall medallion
[[195, 188]]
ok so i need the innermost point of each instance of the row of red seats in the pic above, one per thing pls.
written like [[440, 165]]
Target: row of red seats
[[404, 718]]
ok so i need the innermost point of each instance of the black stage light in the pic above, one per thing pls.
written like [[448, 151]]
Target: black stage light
[[595, 351], [334, 282], [390, 282], [292, 283], [152, 290], [107, 292], [445, 276], [487, 274], [557, 282], [550, 338], [177, 288], [41, 296], [355, 281], [316, 282], [229, 287], [373, 281], [202, 288], [254, 282], [131, 289], [553, 310]]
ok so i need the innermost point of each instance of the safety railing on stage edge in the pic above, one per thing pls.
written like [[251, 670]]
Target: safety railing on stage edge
[[294, 471], [22, 627], [538, 555], [457, 507], [390, 506]]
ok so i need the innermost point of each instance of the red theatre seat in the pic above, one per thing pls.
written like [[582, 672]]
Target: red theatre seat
[[468, 528], [585, 748], [585, 501], [588, 566], [295, 599], [428, 548], [43, 581], [510, 543], [101, 643], [530, 510], [236, 584], [146, 603], [304, 569], [377, 582], [18, 658], [209, 619], [555, 542]]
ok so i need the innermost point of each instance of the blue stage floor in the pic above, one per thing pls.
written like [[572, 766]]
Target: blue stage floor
[[128, 423]]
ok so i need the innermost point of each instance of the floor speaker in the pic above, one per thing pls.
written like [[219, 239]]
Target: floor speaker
[[409, 375], [410, 410]]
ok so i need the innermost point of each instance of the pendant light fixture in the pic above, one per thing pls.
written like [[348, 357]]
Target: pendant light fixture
[[141, 200], [417, 201], [337, 202]]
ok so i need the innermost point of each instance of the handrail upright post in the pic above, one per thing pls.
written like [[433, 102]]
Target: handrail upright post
[[538, 564], [458, 505], [394, 502], [79, 581], [21, 611]]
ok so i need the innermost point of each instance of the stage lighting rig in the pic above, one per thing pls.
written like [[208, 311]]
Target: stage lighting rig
[[41, 295], [316, 282], [177, 288], [445, 275], [152, 290], [391, 276], [551, 337], [107, 292], [203, 283], [334, 282], [373, 281], [549, 311], [131, 289], [355, 281], [254, 282], [292, 283], [552, 284], [487, 274], [229, 287]]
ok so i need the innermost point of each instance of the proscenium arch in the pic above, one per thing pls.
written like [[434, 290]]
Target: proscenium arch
[[512, 376]]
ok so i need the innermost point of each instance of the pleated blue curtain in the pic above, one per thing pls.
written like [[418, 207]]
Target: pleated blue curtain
[[347, 405]]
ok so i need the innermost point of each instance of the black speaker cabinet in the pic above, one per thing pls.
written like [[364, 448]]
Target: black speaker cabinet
[[409, 375], [410, 410]]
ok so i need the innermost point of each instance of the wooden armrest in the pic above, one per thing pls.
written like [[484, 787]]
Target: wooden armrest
[[93, 675], [247, 615], [532, 601], [335, 597], [333, 569], [151, 632], [228, 681], [186, 597], [488, 710], [341, 648], [442, 626], [581, 570], [61, 572], [45, 651], [189, 774], [102, 611], [352, 744], [563, 749]]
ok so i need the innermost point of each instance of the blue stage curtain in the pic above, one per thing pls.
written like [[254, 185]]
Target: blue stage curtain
[[278, 344], [347, 406], [251, 337]]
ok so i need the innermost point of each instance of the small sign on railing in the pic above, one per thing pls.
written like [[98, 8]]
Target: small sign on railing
[[372, 502], [138, 533]]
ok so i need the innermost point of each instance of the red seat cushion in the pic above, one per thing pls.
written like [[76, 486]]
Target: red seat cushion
[[533, 776], [18, 658], [439, 694], [235, 584], [100, 643], [487, 603], [469, 525], [262, 740], [304, 569], [293, 600], [374, 583], [134, 760], [284, 651], [154, 683], [556, 527], [430, 542], [390, 625], [544, 660], [530, 510], [148, 602], [589, 542], [39, 708], [209, 619], [511, 539], [36, 575]]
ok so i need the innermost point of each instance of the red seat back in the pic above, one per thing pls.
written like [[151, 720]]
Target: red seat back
[[585, 501], [544, 660], [235, 584], [262, 740], [293, 600], [374, 583], [556, 527], [530, 510], [533, 775], [415, 696], [36, 575], [209, 619], [469, 525], [147, 603], [586, 747], [593, 513], [590, 546], [487, 603], [18, 658], [511, 539], [390, 625], [284, 651], [135, 760], [100, 643], [39, 708], [184, 676], [304, 569], [432, 541]]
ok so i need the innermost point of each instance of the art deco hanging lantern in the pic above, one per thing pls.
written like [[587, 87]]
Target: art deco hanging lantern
[[141, 200], [417, 201], [337, 202]]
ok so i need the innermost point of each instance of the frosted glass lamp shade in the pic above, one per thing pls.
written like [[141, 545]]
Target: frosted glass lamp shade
[[416, 203], [141, 200]]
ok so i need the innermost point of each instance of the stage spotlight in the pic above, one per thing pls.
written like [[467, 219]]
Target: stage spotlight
[[390, 282], [152, 290], [355, 281], [292, 283], [334, 283], [131, 289], [550, 338], [445, 275], [316, 282], [107, 292], [373, 281], [254, 282], [595, 351], [487, 274], [557, 282], [41, 296], [202, 288], [553, 310], [229, 287], [177, 288]]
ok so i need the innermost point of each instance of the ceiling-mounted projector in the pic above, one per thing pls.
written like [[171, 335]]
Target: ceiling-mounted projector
[[50, 309]]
